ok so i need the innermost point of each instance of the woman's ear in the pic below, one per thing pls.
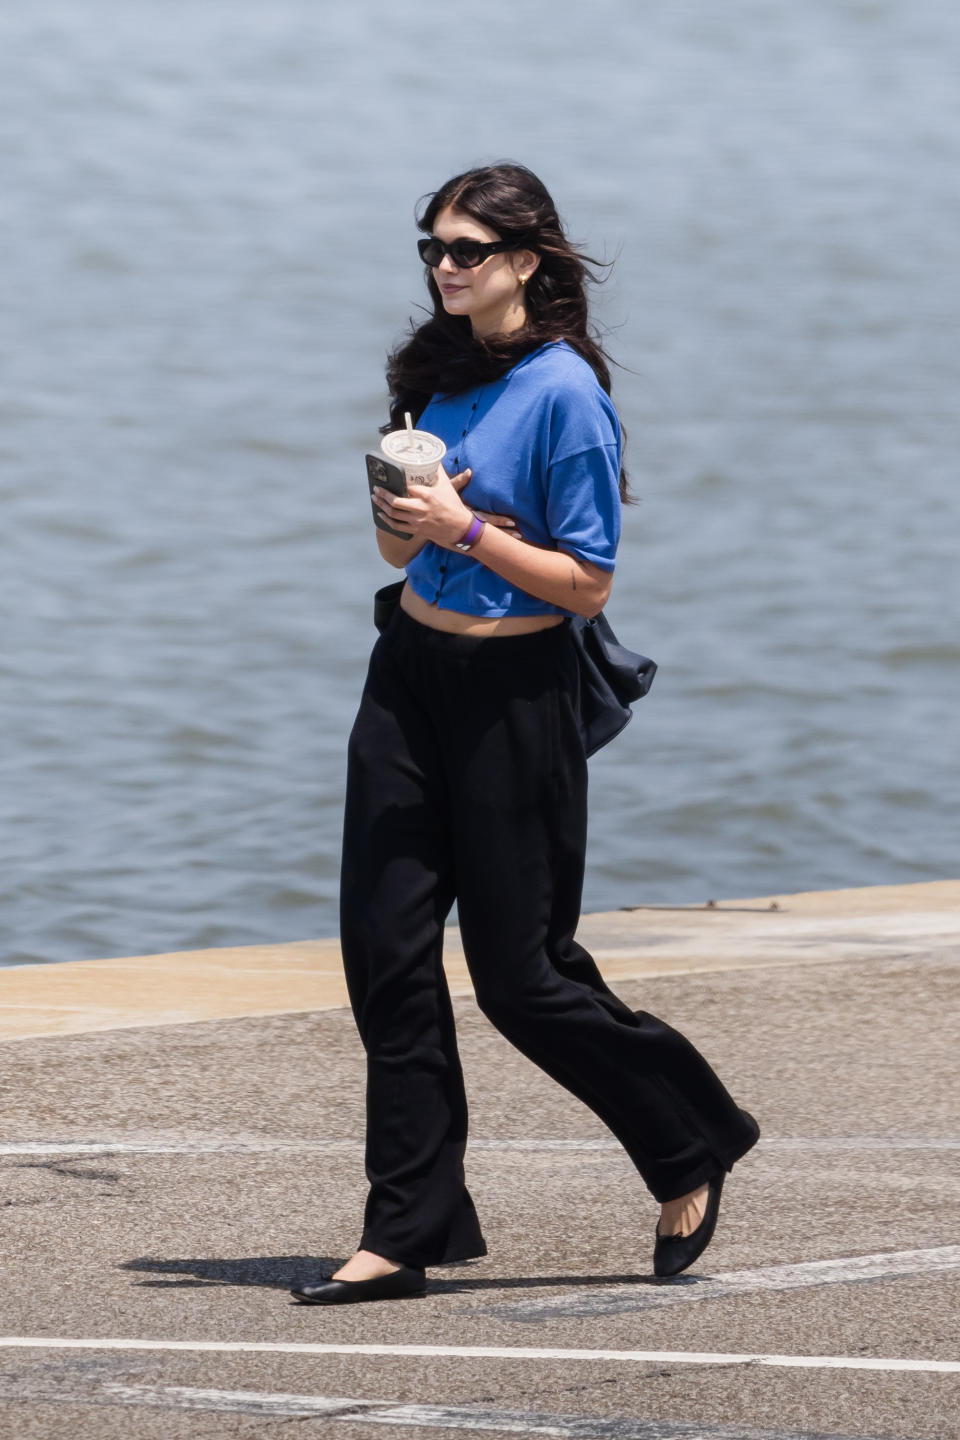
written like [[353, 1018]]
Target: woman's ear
[[524, 264]]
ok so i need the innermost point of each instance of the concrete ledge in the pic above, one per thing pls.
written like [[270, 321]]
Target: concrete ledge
[[818, 927], [172, 989]]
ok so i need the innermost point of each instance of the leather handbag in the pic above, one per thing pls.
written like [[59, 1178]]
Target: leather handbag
[[611, 679], [611, 676], [385, 602]]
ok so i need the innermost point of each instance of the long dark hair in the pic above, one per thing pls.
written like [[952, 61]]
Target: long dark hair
[[443, 354]]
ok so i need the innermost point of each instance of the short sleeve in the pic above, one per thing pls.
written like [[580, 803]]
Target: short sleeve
[[583, 504]]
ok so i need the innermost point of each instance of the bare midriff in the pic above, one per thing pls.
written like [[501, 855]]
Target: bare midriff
[[455, 622]]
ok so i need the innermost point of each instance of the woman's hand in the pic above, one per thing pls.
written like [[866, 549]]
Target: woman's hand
[[430, 512], [435, 512], [502, 522]]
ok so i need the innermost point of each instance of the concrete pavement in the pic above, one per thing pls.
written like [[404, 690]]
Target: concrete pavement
[[164, 1183]]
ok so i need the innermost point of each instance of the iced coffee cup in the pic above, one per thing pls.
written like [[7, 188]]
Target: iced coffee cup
[[417, 451]]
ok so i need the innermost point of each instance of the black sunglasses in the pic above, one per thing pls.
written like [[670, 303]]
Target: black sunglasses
[[465, 253]]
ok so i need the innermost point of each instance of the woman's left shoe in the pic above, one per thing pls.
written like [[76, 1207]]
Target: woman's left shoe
[[397, 1285], [673, 1253]]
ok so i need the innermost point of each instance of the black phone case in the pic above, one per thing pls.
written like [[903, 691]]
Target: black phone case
[[383, 472]]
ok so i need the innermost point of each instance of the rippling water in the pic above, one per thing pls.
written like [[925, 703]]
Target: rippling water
[[207, 247]]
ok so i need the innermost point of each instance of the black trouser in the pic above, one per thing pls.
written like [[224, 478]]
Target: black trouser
[[467, 781]]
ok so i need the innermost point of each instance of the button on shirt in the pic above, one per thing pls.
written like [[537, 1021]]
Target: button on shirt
[[544, 444]]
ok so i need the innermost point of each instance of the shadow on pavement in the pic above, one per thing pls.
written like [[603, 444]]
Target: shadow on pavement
[[275, 1271], [280, 1272]]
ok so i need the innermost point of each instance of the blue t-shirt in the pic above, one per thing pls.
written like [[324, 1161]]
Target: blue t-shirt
[[544, 445]]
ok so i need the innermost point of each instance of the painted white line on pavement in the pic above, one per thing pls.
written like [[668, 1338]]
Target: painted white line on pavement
[[242, 1402], [482, 1352], [180, 1147], [446, 1417], [831, 1143], [813, 1144], [653, 1295]]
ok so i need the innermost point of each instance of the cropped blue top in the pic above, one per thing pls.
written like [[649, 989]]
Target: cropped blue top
[[544, 445]]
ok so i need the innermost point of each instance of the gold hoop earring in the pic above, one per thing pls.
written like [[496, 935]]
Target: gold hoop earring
[[522, 279]]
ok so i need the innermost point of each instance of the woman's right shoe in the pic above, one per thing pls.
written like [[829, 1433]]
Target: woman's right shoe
[[673, 1253], [399, 1284]]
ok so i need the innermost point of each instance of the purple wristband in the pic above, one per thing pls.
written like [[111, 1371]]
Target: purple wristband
[[470, 537]]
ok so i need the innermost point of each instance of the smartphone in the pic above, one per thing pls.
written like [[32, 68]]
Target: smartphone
[[383, 472]]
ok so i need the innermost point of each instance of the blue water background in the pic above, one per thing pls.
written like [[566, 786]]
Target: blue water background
[[207, 248]]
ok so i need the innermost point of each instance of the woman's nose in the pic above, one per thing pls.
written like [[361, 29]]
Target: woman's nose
[[447, 264]]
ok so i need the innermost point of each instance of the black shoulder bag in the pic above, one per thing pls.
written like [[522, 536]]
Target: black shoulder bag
[[611, 679]]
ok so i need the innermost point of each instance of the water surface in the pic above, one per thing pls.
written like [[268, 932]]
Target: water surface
[[207, 247]]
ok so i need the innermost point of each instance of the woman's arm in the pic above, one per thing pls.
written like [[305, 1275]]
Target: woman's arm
[[550, 575], [439, 514], [396, 551]]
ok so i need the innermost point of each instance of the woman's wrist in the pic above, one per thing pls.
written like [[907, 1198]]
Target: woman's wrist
[[469, 537]]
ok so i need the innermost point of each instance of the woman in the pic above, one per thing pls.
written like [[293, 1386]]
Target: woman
[[467, 777]]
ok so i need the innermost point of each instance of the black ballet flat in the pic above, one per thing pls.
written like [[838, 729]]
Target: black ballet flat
[[400, 1284], [673, 1253]]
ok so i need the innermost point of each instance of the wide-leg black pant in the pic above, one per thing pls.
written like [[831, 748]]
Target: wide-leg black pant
[[467, 780]]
